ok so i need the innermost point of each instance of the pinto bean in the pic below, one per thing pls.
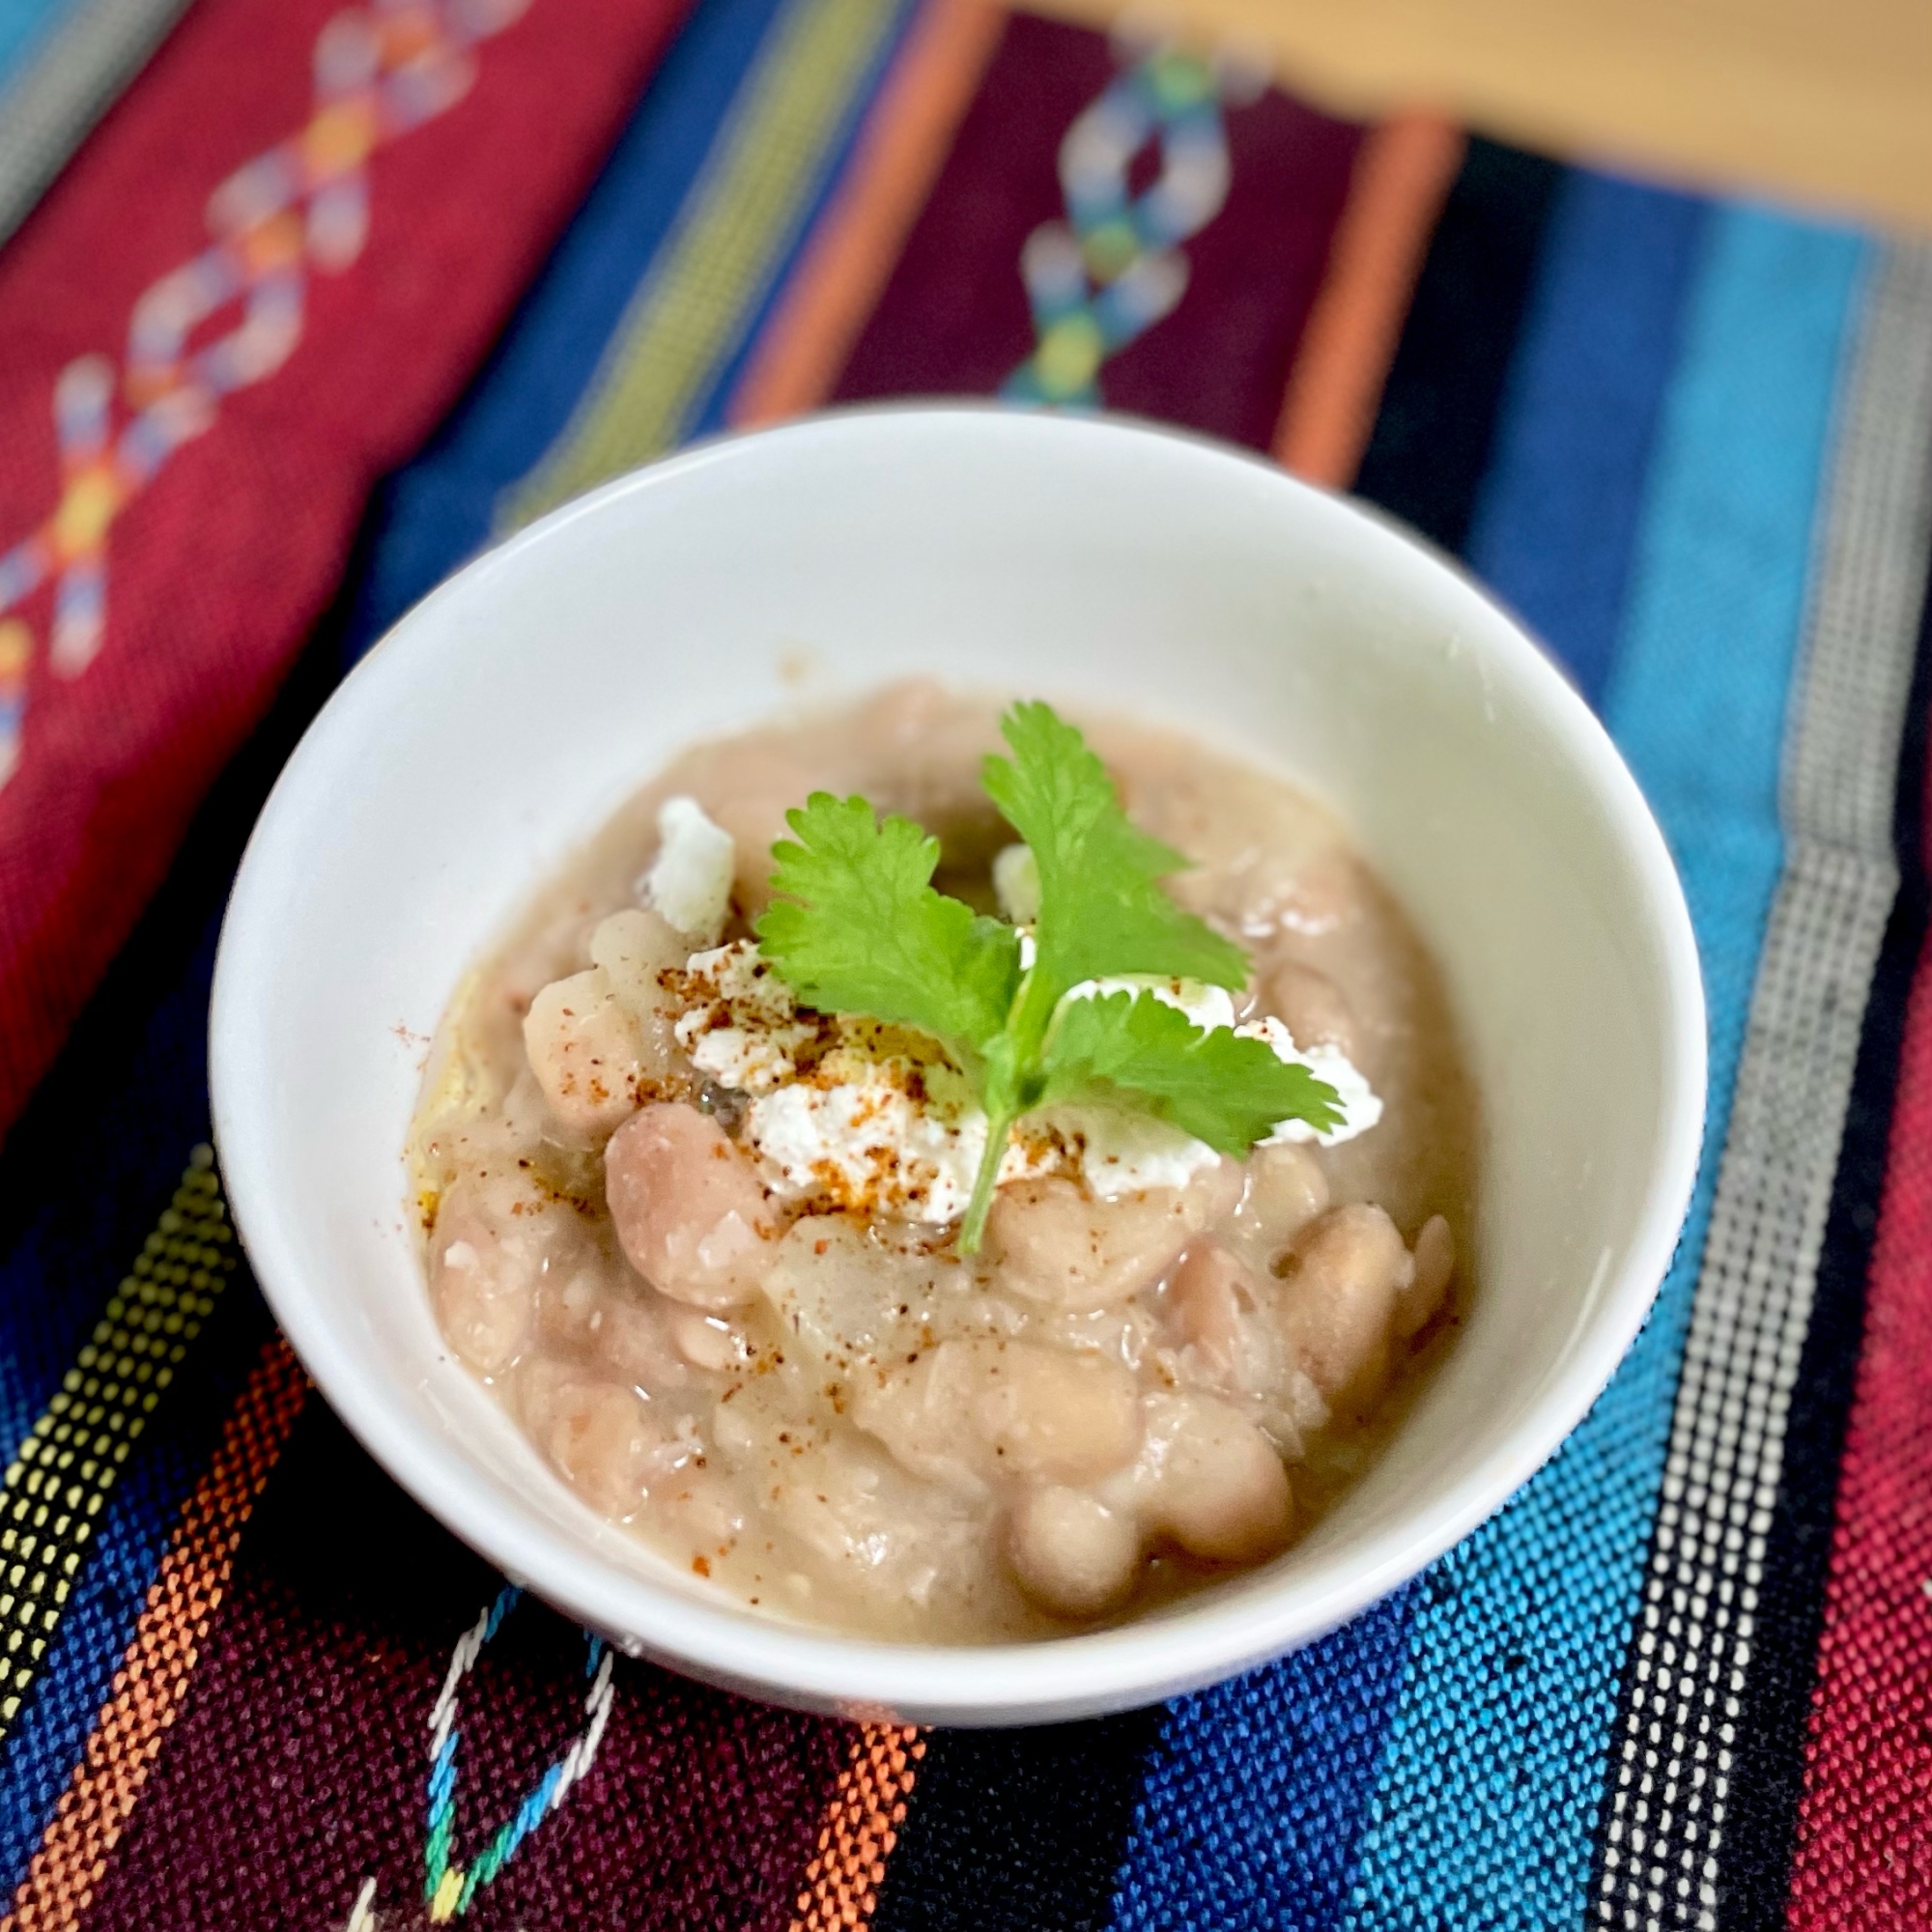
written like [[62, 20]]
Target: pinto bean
[[691, 1213], [1070, 1553], [1339, 1301], [585, 1051]]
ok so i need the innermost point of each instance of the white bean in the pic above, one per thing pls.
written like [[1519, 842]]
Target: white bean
[[600, 1437], [1286, 1189], [585, 1051], [497, 1242], [1310, 1005], [1434, 1268], [636, 1343], [691, 1213], [1205, 1303], [1049, 1416], [1054, 1243], [1071, 1555], [708, 1341], [636, 948], [970, 1414], [1208, 1480], [1337, 1301], [570, 1310]]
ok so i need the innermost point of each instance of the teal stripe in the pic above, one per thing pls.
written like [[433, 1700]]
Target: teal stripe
[[25, 26], [1494, 1771]]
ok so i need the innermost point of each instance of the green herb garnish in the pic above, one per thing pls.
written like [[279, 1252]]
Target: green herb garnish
[[857, 928]]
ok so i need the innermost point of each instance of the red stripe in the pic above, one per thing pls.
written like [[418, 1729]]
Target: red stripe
[[218, 568], [1865, 1837], [157, 1667], [955, 316], [836, 287], [296, 1771]]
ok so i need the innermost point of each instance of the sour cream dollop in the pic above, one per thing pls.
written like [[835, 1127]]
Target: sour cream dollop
[[877, 1119]]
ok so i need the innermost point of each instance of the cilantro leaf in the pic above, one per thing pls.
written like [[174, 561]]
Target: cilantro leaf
[[858, 928], [1102, 911], [855, 926], [1222, 1088]]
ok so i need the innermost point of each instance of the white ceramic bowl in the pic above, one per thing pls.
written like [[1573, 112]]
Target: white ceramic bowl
[[508, 714]]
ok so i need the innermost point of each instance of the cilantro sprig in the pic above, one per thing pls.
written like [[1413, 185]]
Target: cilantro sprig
[[856, 927]]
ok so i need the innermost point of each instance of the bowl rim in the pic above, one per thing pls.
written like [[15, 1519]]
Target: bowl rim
[[1216, 1634]]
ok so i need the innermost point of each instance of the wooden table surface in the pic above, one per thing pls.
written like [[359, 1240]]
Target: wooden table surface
[[1825, 102]]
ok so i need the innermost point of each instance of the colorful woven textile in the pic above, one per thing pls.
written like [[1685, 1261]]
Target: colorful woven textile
[[331, 298], [62, 62]]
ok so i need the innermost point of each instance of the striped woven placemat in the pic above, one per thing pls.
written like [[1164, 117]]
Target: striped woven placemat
[[1684, 1680]]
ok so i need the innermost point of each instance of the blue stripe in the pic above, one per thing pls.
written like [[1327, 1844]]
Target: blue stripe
[[73, 1222], [1270, 1831], [432, 516], [710, 417], [1555, 528], [1494, 1769], [74, 1680], [438, 511], [1248, 1819], [48, 1736]]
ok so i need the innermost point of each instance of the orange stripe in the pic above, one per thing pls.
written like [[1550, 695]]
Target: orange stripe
[[152, 1680], [1402, 177], [905, 141], [842, 1884]]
